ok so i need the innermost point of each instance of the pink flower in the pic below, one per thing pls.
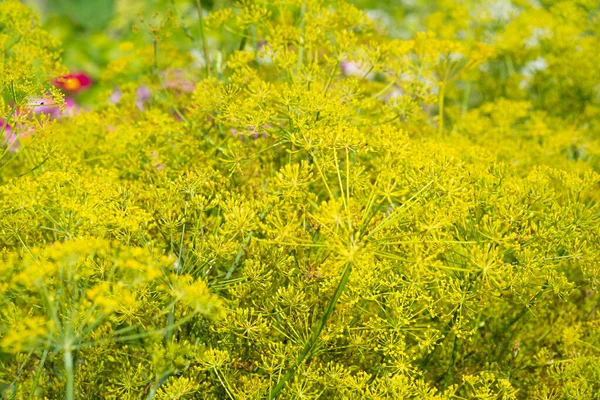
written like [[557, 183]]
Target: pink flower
[[354, 68], [115, 96], [156, 163], [49, 107], [253, 132], [10, 138], [74, 82], [46, 106], [175, 79], [143, 96], [71, 108]]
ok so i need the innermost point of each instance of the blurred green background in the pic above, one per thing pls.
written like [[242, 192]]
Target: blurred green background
[[89, 29]]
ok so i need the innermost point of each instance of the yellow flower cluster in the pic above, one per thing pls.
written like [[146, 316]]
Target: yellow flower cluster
[[298, 203]]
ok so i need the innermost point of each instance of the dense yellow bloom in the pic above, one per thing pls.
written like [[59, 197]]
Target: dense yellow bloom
[[282, 199]]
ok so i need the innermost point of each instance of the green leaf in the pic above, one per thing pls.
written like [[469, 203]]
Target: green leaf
[[90, 15]]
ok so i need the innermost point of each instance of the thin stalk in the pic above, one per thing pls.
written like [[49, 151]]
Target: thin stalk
[[448, 375], [34, 168], [323, 178], [155, 48], [17, 153], [242, 45], [441, 108], [331, 75], [364, 219], [339, 176], [14, 383], [38, 373], [519, 315], [180, 261], [245, 243], [308, 348], [162, 379], [348, 185], [238, 256], [69, 390], [224, 384], [203, 37], [465, 105], [396, 213], [303, 28], [449, 326], [3, 127], [438, 342]]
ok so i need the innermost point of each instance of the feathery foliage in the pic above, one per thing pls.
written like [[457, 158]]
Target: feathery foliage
[[306, 202]]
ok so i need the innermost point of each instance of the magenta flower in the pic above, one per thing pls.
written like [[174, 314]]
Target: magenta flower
[[74, 82], [9, 137], [71, 108]]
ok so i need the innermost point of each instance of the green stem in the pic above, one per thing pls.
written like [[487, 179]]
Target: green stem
[[331, 75], [465, 105], [519, 315], [155, 47], [448, 377], [308, 348], [303, 29], [203, 37], [38, 374], [162, 379], [69, 390], [244, 39], [441, 109], [238, 256], [4, 126]]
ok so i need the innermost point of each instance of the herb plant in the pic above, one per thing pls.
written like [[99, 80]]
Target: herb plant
[[302, 199]]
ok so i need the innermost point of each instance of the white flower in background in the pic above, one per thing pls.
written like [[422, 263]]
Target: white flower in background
[[501, 11], [536, 36], [531, 68], [382, 17], [198, 57]]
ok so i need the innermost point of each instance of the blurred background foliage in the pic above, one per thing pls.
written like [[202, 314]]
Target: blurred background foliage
[[89, 30], [545, 51]]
